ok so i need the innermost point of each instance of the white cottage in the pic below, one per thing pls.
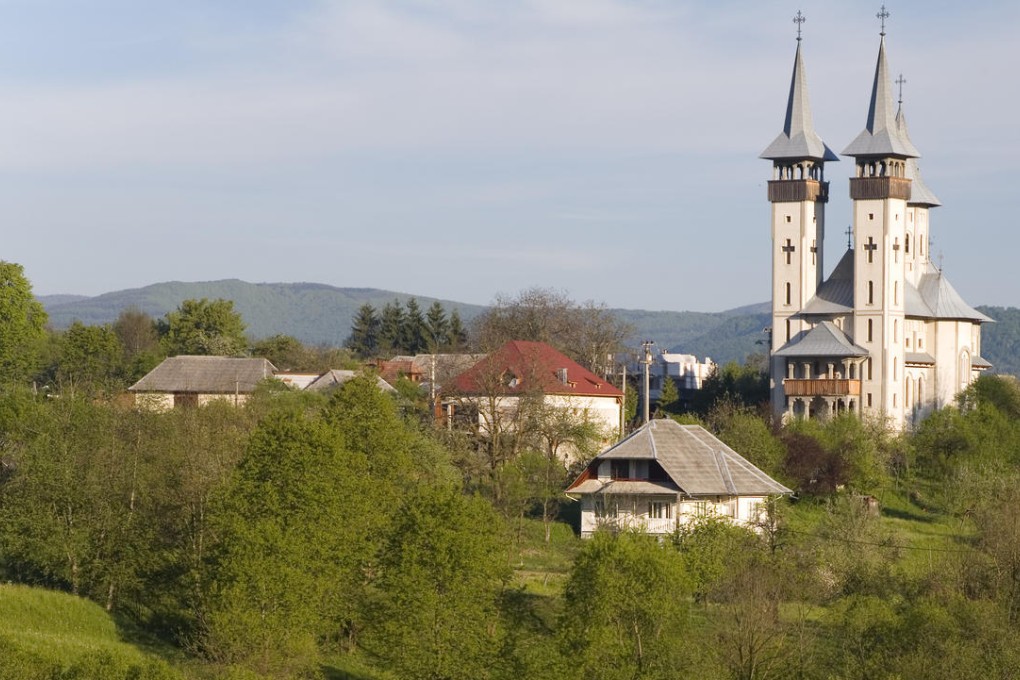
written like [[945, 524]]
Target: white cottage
[[197, 380], [666, 474]]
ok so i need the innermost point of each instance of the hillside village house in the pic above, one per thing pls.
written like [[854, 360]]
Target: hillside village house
[[197, 380], [493, 392], [665, 475]]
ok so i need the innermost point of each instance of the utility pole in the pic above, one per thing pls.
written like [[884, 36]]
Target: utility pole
[[647, 361]]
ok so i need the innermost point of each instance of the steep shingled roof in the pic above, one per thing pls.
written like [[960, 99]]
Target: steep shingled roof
[[798, 140], [698, 464], [881, 136], [205, 375], [520, 366], [920, 194]]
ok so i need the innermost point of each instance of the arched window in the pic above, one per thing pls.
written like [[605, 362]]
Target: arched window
[[871, 326], [896, 330]]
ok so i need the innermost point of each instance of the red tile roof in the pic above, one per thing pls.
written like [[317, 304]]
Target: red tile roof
[[520, 366]]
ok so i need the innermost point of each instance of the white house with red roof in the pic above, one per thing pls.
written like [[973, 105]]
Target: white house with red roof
[[496, 388]]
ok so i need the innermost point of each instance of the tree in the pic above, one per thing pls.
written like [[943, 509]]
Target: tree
[[437, 328], [457, 337], [587, 333], [365, 330], [285, 352], [414, 333], [139, 336], [669, 396], [442, 570], [295, 527], [91, 359], [625, 609], [203, 327], [22, 325], [391, 328]]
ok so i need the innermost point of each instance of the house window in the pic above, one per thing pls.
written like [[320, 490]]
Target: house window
[[700, 508], [660, 510], [620, 469], [869, 399]]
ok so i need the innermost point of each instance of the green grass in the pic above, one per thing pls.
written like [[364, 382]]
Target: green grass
[[55, 635], [541, 568]]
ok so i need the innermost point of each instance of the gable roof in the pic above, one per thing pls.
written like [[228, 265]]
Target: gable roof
[[520, 366], [205, 375], [798, 139], [824, 340], [835, 295], [336, 377], [698, 464]]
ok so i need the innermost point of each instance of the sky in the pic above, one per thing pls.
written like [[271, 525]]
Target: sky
[[461, 149]]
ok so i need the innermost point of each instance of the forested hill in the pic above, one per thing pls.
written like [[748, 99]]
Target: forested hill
[[318, 314]]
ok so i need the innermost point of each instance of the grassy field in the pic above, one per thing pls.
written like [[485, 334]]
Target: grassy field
[[46, 634]]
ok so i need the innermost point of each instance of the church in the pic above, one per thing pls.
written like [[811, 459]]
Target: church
[[885, 334]]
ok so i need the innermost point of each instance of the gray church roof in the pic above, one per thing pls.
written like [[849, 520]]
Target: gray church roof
[[697, 463], [943, 300], [824, 340], [835, 295], [798, 139], [881, 137], [205, 375], [920, 194]]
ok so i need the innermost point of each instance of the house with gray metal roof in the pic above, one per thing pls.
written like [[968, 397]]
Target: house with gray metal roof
[[665, 475], [197, 380], [885, 333]]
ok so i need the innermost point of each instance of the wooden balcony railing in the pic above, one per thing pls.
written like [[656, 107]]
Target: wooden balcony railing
[[822, 387]]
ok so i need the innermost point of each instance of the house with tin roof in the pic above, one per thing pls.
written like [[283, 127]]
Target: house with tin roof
[[197, 380], [521, 378], [665, 475]]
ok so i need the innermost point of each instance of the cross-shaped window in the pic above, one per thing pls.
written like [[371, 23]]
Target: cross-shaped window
[[789, 249], [814, 252], [870, 247]]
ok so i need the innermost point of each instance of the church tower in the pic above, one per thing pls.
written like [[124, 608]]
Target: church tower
[[880, 190], [798, 193]]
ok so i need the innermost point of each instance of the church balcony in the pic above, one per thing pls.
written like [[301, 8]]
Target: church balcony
[[796, 190], [864, 188], [821, 387]]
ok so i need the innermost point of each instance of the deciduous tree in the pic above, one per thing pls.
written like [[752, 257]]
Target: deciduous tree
[[203, 327], [22, 325]]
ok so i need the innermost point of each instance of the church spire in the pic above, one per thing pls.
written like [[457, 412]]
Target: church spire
[[920, 194], [881, 135], [798, 140]]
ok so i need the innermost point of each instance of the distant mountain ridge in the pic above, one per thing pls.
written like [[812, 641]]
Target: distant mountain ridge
[[319, 314]]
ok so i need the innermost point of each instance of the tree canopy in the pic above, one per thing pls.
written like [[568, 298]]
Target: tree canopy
[[203, 327]]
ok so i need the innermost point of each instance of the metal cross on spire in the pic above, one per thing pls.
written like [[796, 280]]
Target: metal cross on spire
[[799, 19], [901, 81], [849, 237], [883, 14]]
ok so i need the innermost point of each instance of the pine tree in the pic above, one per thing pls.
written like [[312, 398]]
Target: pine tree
[[364, 337], [437, 327], [391, 324], [457, 337], [669, 397], [414, 333]]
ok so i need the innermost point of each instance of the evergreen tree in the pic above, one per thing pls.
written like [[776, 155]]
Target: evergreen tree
[[391, 325], [365, 331], [414, 333], [457, 337], [669, 396], [437, 327]]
